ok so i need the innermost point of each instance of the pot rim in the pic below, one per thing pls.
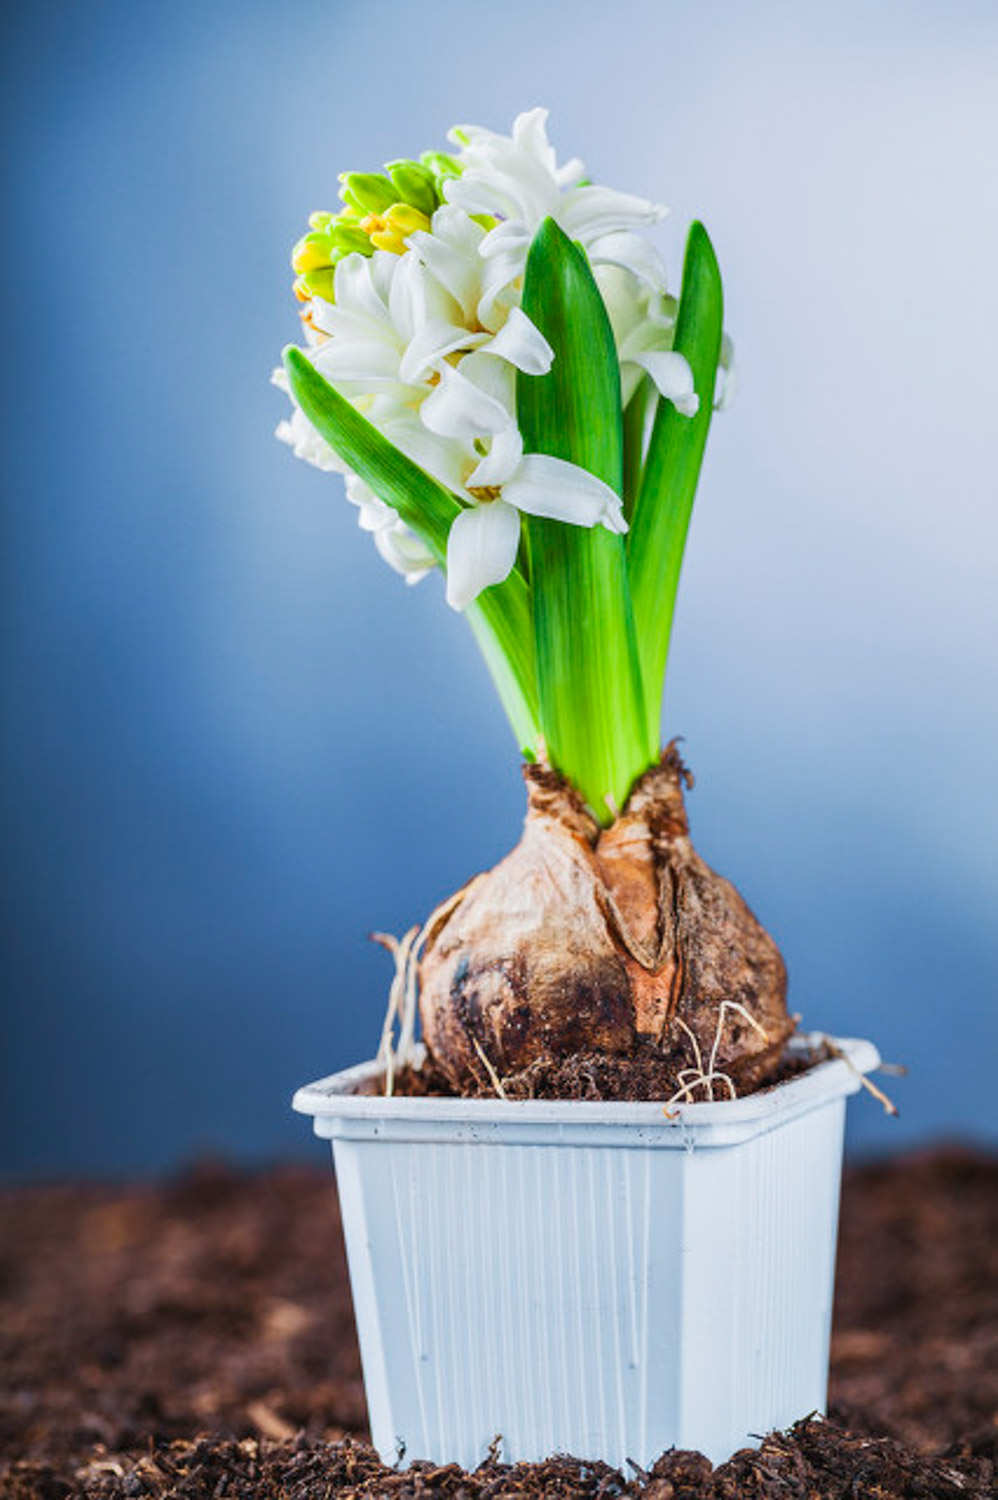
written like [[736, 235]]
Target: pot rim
[[338, 1111]]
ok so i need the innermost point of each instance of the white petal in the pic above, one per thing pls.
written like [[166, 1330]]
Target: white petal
[[370, 394], [374, 513], [630, 378], [633, 253], [356, 359], [496, 378], [498, 287], [674, 378], [586, 213], [406, 299], [477, 197], [727, 388], [501, 179], [444, 458], [342, 322], [481, 550], [303, 440], [454, 227], [460, 408], [568, 175], [450, 253], [430, 345], [383, 265], [727, 376], [521, 343], [468, 135], [321, 310], [530, 134], [385, 405], [403, 551], [355, 291], [510, 235], [623, 297], [500, 463], [545, 486], [651, 333]]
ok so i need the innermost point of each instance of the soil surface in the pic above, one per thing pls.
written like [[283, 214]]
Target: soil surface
[[195, 1339], [646, 1073]]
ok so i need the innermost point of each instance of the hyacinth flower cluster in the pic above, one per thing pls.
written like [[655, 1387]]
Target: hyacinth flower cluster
[[495, 364]]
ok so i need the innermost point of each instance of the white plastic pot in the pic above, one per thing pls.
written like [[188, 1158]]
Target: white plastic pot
[[595, 1279]]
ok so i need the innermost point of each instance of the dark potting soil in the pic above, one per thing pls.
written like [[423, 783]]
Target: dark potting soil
[[196, 1340], [645, 1074]]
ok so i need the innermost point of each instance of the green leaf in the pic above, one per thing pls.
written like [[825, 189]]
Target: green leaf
[[500, 616], [661, 518], [588, 675]]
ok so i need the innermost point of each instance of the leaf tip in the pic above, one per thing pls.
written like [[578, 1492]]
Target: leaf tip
[[699, 244], [292, 357]]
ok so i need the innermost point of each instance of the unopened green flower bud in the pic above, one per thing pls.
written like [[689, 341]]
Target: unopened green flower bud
[[367, 192], [414, 184], [347, 238], [320, 220], [441, 166]]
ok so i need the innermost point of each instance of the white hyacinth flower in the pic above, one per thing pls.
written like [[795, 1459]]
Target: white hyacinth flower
[[426, 339], [466, 436], [644, 324], [393, 323], [484, 540], [385, 343], [397, 543], [517, 179]]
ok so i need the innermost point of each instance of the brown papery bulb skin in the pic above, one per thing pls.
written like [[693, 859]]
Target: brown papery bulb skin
[[585, 939]]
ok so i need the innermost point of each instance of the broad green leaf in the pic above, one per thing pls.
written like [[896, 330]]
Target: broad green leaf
[[664, 503], [500, 616], [588, 676]]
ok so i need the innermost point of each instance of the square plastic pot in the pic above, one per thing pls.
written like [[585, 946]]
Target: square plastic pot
[[595, 1279]]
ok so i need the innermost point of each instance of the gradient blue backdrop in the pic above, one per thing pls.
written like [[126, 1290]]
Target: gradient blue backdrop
[[234, 742]]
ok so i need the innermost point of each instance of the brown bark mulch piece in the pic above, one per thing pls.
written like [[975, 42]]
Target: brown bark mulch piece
[[196, 1340]]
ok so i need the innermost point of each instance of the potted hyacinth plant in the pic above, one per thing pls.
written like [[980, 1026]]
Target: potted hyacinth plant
[[594, 1209]]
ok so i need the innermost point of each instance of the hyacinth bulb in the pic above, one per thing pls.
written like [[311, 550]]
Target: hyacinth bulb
[[590, 940]]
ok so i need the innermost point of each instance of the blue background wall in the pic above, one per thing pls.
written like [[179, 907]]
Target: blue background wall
[[234, 742]]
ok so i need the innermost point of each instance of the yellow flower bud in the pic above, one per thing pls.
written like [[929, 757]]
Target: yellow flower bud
[[406, 219], [385, 240], [311, 252], [388, 231]]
